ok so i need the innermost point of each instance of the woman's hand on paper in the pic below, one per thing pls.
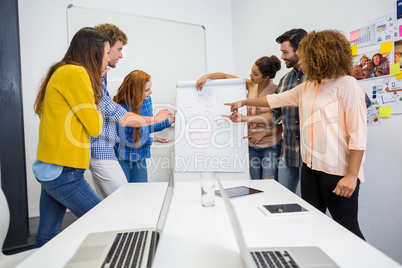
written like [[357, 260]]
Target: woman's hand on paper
[[201, 82]]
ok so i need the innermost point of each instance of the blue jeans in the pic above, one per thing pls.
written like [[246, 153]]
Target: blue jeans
[[135, 171], [289, 176], [70, 190], [264, 161]]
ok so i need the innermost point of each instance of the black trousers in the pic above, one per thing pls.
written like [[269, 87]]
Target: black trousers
[[316, 189]]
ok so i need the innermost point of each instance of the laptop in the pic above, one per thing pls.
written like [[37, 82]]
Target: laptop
[[127, 248], [274, 257]]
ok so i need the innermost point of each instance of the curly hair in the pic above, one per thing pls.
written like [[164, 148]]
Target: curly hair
[[325, 54], [131, 93], [115, 33]]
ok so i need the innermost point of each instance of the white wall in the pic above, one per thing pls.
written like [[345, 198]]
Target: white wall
[[43, 33], [257, 23]]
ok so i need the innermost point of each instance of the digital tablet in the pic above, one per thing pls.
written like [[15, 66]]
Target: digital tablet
[[239, 191], [284, 209]]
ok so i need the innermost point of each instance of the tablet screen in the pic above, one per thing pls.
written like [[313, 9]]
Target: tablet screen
[[239, 191], [285, 208]]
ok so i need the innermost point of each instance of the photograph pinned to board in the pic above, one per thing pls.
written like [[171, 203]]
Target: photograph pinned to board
[[399, 15], [363, 37], [398, 51], [386, 28], [371, 64]]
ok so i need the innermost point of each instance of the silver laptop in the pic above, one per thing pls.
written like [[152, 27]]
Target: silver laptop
[[127, 248], [274, 257]]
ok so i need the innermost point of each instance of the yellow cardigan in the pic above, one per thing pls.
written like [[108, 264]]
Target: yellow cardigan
[[69, 117]]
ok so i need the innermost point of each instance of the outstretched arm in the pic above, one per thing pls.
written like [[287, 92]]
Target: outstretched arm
[[201, 82], [135, 120], [259, 102], [264, 118]]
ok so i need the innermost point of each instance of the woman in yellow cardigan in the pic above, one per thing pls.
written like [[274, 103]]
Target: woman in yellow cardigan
[[67, 106]]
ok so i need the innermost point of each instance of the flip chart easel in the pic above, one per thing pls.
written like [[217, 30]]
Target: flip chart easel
[[204, 140]]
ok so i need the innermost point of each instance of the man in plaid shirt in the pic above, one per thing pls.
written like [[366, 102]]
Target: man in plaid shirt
[[290, 162], [106, 171], [290, 159]]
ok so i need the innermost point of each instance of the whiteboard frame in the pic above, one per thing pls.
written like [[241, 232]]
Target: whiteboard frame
[[136, 15]]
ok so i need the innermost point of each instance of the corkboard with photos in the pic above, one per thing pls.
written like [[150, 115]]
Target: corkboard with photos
[[377, 49]]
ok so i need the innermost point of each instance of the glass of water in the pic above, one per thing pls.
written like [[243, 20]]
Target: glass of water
[[207, 180]]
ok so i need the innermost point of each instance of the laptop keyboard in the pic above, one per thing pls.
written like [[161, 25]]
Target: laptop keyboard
[[274, 259], [127, 250]]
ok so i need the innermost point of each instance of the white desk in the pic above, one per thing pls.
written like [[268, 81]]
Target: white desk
[[202, 237], [131, 206]]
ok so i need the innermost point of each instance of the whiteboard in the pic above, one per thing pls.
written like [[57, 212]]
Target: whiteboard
[[169, 51], [204, 140]]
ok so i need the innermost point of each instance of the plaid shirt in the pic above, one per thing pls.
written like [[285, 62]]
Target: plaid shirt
[[127, 147], [289, 115], [383, 67], [102, 146]]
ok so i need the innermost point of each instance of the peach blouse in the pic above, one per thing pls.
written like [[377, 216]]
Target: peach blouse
[[333, 121]]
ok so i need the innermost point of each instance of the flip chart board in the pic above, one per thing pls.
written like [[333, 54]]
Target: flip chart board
[[204, 140]]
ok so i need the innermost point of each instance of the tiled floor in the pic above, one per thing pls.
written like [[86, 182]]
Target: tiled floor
[[69, 218]]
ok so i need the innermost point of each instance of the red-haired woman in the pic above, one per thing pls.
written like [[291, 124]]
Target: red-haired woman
[[134, 95]]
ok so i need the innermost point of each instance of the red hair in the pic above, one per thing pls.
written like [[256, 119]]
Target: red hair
[[131, 93]]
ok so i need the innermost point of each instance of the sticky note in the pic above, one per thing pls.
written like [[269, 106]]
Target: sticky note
[[354, 35], [395, 69], [400, 30], [385, 111], [399, 76], [386, 47], [354, 49]]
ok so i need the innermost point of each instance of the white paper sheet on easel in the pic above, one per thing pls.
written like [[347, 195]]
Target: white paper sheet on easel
[[204, 140]]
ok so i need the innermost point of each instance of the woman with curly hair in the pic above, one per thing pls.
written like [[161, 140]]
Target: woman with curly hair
[[332, 113]]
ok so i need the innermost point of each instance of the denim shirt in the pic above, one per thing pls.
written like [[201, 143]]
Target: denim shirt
[[127, 148], [45, 171]]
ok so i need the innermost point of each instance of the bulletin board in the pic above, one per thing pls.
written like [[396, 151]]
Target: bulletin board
[[376, 50]]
